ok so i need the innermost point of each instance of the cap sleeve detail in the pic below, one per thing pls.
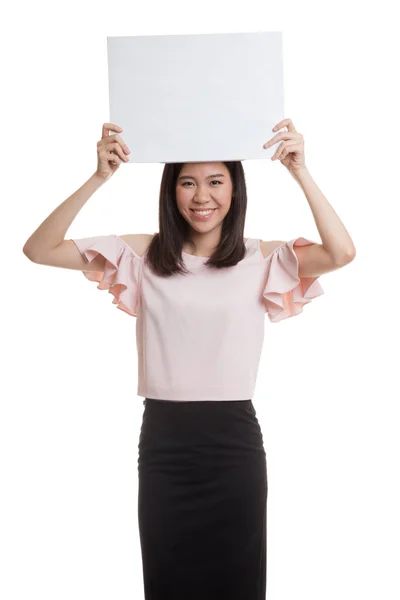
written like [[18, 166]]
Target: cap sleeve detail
[[122, 269], [285, 293]]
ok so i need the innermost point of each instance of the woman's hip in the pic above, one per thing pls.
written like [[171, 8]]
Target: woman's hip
[[194, 434]]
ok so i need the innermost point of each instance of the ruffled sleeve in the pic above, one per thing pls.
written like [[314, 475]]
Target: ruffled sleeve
[[122, 270], [285, 293]]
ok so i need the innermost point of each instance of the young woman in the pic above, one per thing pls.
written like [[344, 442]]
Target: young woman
[[200, 292]]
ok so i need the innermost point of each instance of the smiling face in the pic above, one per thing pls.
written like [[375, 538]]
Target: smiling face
[[201, 187]]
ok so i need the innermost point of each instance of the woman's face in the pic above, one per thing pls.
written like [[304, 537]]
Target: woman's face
[[201, 187]]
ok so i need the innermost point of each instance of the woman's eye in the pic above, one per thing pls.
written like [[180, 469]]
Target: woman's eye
[[214, 181]]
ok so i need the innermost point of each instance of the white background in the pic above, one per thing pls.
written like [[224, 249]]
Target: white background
[[327, 396]]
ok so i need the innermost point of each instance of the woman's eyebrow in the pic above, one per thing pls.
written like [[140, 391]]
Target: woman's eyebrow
[[190, 177]]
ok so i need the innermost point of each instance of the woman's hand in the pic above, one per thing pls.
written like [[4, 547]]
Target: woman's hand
[[111, 150], [291, 151]]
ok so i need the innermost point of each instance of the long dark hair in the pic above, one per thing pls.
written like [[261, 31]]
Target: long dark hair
[[164, 254]]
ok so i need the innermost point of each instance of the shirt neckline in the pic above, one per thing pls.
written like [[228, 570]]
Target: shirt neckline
[[205, 257]]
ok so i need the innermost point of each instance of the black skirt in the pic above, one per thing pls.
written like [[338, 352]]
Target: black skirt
[[202, 501]]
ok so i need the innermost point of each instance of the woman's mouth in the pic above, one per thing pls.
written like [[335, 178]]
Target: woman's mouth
[[203, 215]]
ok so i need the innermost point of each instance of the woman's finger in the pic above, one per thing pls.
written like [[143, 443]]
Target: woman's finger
[[107, 127], [285, 123], [287, 149], [283, 135], [278, 151], [114, 148], [114, 138]]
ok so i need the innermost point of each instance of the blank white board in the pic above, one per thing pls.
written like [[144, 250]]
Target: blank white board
[[196, 98]]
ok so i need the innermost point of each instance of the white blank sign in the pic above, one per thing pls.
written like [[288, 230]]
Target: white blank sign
[[196, 98]]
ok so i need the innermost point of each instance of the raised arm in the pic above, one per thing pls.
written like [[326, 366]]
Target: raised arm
[[47, 244]]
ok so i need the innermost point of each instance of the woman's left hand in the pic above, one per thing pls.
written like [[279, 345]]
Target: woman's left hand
[[291, 151]]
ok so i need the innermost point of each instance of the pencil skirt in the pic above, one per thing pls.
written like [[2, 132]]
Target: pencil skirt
[[202, 500]]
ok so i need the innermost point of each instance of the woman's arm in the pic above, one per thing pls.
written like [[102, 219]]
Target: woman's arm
[[337, 248], [335, 237], [51, 232]]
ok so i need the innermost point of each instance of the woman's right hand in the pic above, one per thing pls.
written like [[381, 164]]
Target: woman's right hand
[[111, 151]]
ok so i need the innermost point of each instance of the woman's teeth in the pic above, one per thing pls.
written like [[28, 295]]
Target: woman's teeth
[[204, 214]]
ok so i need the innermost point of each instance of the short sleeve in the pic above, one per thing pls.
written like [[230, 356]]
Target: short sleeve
[[285, 293], [122, 271]]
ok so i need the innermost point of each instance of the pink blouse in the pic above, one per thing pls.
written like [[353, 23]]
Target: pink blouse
[[199, 336]]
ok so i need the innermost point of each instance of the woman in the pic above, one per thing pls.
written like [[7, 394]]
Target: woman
[[200, 293]]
